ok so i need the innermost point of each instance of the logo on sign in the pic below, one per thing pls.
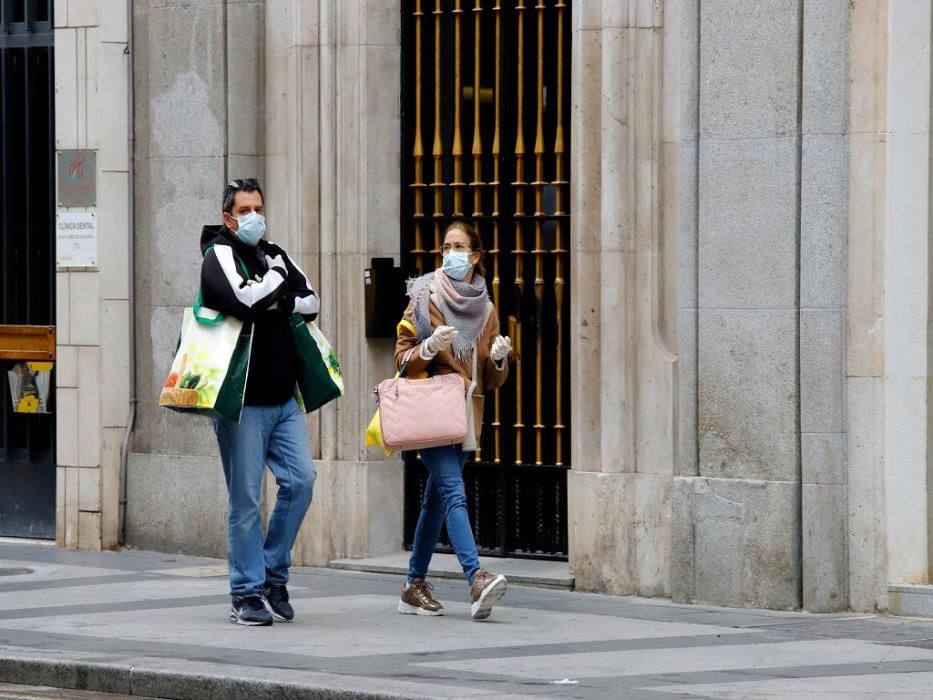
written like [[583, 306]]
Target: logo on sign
[[76, 169], [77, 177]]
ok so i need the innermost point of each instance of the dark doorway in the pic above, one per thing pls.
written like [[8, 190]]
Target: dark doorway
[[27, 257]]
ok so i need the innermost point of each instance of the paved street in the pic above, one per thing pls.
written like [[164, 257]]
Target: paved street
[[148, 624]]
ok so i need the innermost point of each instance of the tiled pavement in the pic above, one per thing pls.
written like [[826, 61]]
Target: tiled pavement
[[148, 624]]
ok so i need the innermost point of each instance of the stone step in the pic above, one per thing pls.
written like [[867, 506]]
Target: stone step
[[910, 601], [11, 691], [528, 572]]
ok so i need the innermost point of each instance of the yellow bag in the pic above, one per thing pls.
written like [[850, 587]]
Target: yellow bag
[[374, 430], [374, 434]]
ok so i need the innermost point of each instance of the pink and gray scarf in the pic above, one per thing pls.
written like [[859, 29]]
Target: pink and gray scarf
[[463, 305]]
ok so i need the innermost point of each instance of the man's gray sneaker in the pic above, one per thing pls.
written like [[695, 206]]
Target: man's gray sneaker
[[249, 610], [275, 597]]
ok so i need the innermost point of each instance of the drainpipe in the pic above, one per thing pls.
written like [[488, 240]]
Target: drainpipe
[[131, 145]]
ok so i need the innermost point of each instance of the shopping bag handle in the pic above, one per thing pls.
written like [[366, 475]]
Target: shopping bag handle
[[205, 320], [199, 302]]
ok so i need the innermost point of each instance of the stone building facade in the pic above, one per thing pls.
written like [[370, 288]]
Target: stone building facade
[[749, 370]]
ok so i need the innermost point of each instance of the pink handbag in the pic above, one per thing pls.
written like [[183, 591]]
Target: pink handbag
[[420, 413]]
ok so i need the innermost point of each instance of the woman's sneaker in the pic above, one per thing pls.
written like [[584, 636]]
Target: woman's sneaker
[[417, 599], [275, 597], [249, 610], [486, 591]]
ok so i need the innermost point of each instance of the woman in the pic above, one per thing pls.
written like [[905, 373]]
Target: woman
[[451, 327]]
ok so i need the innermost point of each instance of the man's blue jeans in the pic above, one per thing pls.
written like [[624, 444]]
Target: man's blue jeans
[[274, 436], [444, 501]]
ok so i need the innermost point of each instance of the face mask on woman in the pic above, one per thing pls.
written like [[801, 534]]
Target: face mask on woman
[[456, 265], [252, 226]]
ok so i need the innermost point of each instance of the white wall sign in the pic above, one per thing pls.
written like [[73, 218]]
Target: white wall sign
[[76, 239]]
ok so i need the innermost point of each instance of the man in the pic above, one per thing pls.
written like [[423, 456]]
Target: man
[[247, 277]]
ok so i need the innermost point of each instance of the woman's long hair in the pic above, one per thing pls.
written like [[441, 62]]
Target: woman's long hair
[[476, 243]]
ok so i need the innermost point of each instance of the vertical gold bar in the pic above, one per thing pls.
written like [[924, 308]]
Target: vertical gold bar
[[418, 151], [494, 251], [438, 149], [539, 251], [457, 151], [477, 150], [559, 252], [519, 252]]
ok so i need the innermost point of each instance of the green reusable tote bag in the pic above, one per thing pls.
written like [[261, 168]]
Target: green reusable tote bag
[[208, 375], [319, 378]]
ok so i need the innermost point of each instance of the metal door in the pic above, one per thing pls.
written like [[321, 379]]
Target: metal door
[[27, 258], [485, 137]]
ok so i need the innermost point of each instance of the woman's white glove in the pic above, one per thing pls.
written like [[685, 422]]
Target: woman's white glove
[[501, 347], [440, 339]]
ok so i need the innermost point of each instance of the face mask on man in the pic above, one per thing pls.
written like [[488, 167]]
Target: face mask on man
[[456, 265], [251, 228]]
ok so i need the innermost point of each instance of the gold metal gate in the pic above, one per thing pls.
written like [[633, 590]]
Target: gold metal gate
[[485, 129]]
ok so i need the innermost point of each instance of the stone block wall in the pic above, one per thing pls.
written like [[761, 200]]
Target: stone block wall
[[333, 81], [623, 303], [907, 324], [750, 321], [760, 514], [710, 198], [193, 135], [824, 204], [305, 96], [865, 366], [199, 122], [92, 82]]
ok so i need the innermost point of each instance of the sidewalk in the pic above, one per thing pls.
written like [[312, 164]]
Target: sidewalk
[[148, 624]]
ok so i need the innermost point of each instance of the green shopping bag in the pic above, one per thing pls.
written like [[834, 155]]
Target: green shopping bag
[[208, 375], [319, 378]]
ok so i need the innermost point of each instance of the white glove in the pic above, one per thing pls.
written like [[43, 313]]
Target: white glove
[[501, 347], [277, 264], [440, 339]]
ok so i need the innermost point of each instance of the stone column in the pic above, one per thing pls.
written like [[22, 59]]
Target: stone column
[[92, 376], [332, 85], [624, 373], [823, 235], [906, 293], [868, 43], [737, 535], [199, 115]]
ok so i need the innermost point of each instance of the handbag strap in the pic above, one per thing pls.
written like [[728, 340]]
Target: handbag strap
[[403, 370], [199, 302]]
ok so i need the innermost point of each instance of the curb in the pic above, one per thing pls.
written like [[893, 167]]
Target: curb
[[123, 679]]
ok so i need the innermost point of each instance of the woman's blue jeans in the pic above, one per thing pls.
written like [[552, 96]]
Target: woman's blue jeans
[[444, 501], [266, 435]]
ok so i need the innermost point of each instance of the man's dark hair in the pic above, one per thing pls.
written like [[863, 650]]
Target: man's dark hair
[[246, 184]]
